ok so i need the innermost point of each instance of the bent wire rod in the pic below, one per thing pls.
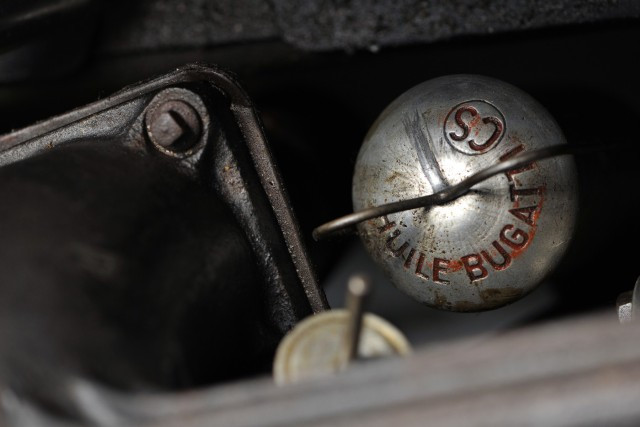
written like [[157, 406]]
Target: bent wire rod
[[446, 195]]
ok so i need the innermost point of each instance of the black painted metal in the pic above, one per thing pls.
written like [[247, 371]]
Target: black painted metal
[[319, 25], [139, 269]]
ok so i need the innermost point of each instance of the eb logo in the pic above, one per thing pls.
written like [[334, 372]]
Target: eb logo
[[474, 127]]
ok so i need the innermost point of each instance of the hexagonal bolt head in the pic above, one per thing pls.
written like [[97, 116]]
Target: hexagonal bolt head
[[174, 125]]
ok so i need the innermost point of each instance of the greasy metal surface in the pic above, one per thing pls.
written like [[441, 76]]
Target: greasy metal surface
[[89, 283], [242, 112], [315, 348], [111, 263], [492, 245]]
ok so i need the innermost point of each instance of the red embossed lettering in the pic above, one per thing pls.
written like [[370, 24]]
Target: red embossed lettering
[[506, 258], [518, 239], [462, 124], [407, 262], [440, 266], [474, 268], [399, 251], [419, 265], [526, 214]]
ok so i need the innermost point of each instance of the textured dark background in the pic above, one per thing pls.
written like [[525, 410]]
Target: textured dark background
[[321, 25]]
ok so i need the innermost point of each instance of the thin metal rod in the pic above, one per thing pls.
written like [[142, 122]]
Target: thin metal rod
[[441, 197], [358, 289]]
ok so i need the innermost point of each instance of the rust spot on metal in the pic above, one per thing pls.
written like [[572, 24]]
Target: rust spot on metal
[[440, 300], [455, 265], [393, 176]]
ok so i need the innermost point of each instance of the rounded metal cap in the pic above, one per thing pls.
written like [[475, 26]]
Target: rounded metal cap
[[316, 346], [491, 246]]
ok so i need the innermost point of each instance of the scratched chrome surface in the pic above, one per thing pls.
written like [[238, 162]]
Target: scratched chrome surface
[[417, 147]]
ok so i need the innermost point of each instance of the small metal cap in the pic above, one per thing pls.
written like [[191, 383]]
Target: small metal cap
[[175, 121], [492, 245], [316, 346]]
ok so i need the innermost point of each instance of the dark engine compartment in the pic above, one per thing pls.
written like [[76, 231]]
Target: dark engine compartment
[[318, 73]]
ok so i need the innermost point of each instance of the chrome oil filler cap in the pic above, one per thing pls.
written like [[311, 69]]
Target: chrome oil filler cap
[[492, 245]]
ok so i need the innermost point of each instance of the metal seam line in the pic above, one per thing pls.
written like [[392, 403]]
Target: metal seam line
[[428, 161]]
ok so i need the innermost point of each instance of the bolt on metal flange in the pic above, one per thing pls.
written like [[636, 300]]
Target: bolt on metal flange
[[175, 122]]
